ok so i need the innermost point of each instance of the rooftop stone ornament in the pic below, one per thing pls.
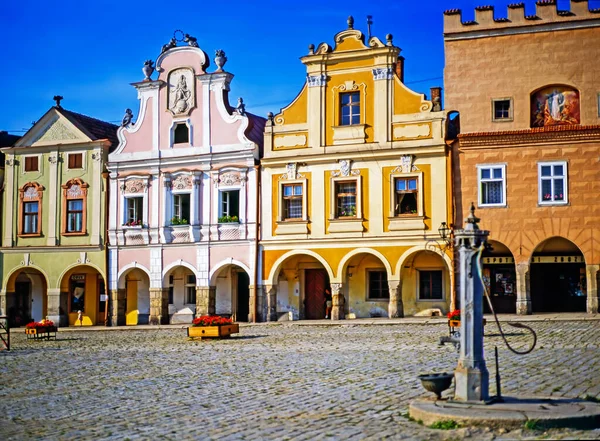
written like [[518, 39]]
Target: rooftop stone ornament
[[220, 59], [178, 37], [148, 69]]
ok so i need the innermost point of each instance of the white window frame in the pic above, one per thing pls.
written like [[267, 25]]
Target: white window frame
[[76, 152], [418, 287], [40, 169], [190, 127], [565, 178], [174, 196], [125, 201], [123, 196], [392, 201], [481, 181], [333, 198], [510, 116], [222, 194], [280, 211]]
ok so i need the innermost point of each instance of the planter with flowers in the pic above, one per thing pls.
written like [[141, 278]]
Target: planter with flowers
[[212, 326], [46, 329], [454, 321]]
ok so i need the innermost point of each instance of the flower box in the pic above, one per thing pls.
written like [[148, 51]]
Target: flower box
[[45, 333], [212, 326], [221, 331]]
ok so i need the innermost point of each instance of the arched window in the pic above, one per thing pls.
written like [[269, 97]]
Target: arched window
[[74, 207], [30, 209], [555, 105]]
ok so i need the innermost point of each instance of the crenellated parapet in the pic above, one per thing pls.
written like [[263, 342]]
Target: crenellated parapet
[[546, 13]]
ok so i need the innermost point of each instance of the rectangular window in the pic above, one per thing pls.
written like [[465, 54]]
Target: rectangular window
[[30, 217], [74, 215], [230, 206], [378, 285], [430, 285], [552, 182], [75, 160], [31, 163], [181, 209], [492, 185], [349, 108], [345, 196], [502, 109], [134, 206], [190, 290], [406, 196], [181, 134], [292, 201]]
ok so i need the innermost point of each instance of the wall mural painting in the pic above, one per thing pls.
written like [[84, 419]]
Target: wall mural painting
[[555, 105]]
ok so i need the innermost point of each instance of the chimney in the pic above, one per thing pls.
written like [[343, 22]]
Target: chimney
[[436, 99], [400, 68]]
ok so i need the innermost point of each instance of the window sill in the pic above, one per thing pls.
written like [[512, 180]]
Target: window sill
[[292, 227], [552, 204], [492, 206], [346, 225], [132, 227], [431, 300], [179, 226], [378, 300], [407, 222], [29, 235], [75, 233]]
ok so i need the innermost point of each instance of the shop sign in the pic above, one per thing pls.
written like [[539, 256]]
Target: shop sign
[[78, 277], [557, 259], [498, 260]]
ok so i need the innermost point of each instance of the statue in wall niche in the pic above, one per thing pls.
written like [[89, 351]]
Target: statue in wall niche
[[182, 95]]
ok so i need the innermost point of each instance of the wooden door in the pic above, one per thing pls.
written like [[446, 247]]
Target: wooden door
[[315, 282]]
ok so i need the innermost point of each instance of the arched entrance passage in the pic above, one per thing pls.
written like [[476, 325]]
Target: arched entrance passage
[[425, 282], [81, 289], [301, 280], [180, 282], [558, 279], [365, 283], [500, 278], [232, 298], [134, 306], [26, 298]]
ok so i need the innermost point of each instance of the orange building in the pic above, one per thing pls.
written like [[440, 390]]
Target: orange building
[[526, 96]]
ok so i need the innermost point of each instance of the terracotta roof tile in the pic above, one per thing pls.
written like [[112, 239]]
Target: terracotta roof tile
[[94, 128]]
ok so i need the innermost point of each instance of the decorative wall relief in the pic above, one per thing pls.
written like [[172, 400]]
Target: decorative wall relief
[[383, 73], [406, 165], [292, 172], [134, 186], [555, 105], [182, 182], [345, 169], [182, 91]]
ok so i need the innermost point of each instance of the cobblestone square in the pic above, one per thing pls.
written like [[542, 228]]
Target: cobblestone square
[[276, 381]]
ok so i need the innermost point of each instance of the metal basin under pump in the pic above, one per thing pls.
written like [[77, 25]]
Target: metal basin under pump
[[436, 383]]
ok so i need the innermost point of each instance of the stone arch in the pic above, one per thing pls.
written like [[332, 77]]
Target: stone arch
[[131, 266], [346, 259], [70, 267], [17, 270], [272, 278], [408, 253], [499, 271], [167, 269], [230, 261]]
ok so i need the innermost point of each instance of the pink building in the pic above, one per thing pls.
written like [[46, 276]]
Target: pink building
[[183, 195]]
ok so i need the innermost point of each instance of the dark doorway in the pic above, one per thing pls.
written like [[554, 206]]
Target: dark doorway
[[500, 280], [243, 297], [315, 282], [22, 314], [558, 287]]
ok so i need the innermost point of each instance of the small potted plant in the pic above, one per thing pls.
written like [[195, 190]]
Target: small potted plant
[[213, 326], [176, 220], [133, 223], [228, 219]]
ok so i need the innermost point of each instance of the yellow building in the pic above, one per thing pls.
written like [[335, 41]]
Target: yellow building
[[354, 188]]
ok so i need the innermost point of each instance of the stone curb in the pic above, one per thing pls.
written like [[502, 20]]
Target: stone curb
[[354, 322]]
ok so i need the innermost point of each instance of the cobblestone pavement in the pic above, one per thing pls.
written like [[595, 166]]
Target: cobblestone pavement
[[279, 381]]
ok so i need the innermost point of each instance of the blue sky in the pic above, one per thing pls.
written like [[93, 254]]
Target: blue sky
[[90, 51]]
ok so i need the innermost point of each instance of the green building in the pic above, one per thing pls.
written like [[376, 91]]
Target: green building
[[54, 221]]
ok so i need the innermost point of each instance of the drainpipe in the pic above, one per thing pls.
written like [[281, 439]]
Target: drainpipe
[[105, 175], [256, 247]]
